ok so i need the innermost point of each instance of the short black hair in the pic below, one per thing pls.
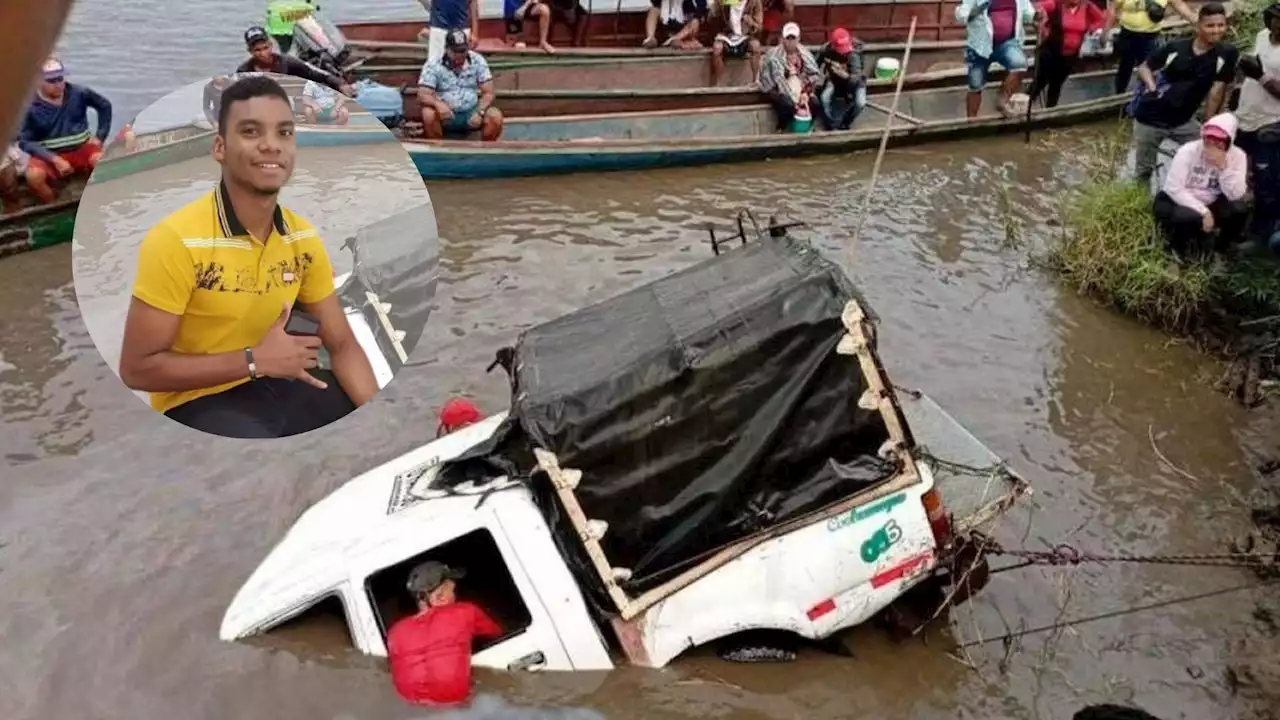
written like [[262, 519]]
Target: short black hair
[[247, 89], [1211, 8]]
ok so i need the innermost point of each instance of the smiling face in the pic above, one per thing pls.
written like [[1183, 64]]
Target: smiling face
[[257, 147], [1211, 28]]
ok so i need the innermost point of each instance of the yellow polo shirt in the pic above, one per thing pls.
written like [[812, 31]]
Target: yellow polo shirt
[[228, 287], [1134, 17]]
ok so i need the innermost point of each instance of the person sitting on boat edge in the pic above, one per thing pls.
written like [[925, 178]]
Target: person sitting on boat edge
[[515, 12], [263, 58], [993, 34], [1176, 79], [1063, 25], [1139, 35], [55, 131], [445, 17], [456, 414], [785, 61], [743, 22], [1202, 206], [429, 653], [676, 21], [843, 93], [1259, 133], [456, 93], [322, 104], [217, 281]]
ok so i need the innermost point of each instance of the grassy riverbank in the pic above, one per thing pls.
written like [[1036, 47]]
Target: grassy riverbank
[[1109, 250]]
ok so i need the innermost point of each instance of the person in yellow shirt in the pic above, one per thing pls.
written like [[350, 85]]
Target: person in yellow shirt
[[1139, 22], [217, 281]]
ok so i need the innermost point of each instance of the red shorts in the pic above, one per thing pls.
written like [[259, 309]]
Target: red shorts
[[81, 158]]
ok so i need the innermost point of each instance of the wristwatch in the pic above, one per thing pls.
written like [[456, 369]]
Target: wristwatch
[[253, 367]]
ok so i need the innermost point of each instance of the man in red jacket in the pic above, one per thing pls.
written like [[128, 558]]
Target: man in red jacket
[[430, 652]]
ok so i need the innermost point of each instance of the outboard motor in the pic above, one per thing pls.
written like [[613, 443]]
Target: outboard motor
[[320, 43]]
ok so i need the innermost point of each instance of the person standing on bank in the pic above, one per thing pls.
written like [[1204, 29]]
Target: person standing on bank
[[994, 34], [217, 281], [1139, 22], [1063, 25], [1176, 80], [1203, 197], [448, 16], [1259, 135], [430, 652]]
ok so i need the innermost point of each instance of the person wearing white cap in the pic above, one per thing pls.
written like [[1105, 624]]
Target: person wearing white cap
[[681, 20], [787, 65], [55, 132]]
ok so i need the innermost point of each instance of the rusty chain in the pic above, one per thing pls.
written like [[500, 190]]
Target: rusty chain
[[1065, 554]]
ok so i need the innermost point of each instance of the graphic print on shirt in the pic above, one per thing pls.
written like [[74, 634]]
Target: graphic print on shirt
[[210, 276], [1204, 176]]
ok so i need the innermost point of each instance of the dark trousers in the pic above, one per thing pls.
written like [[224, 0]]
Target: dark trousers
[[1132, 48], [1052, 70], [785, 109], [1183, 227], [284, 41], [266, 408], [1263, 148]]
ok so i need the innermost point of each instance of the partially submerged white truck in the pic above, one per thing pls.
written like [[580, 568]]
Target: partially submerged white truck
[[717, 451]]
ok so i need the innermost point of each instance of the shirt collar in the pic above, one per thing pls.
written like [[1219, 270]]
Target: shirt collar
[[230, 225]]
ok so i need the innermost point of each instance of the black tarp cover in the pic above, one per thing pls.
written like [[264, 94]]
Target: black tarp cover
[[701, 408]]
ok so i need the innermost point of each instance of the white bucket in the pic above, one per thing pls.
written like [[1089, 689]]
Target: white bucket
[[887, 68]]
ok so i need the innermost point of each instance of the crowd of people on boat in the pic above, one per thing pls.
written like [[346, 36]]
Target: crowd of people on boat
[[56, 141]]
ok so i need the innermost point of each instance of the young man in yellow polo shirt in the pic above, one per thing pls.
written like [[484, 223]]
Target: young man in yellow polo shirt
[[205, 333]]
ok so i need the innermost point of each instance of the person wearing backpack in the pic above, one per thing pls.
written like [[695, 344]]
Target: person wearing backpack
[[1175, 81], [1139, 22]]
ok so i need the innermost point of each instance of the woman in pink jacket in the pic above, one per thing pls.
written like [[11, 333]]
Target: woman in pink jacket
[[1202, 205]]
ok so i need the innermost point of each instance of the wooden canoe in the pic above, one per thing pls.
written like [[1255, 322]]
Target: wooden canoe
[[647, 140]]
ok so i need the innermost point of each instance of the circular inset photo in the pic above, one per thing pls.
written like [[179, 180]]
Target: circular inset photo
[[255, 255]]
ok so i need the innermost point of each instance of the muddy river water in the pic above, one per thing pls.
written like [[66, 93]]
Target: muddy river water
[[124, 536]]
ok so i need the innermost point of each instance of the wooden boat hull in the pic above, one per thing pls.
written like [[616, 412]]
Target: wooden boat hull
[[516, 104], [639, 141]]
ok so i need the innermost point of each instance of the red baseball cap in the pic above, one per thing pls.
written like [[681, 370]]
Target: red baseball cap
[[1216, 132], [841, 41], [457, 413]]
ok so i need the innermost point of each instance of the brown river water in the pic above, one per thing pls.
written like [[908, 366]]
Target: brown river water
[[125, 536]]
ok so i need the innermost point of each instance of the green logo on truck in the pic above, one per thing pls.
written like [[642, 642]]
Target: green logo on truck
[[859, 514]]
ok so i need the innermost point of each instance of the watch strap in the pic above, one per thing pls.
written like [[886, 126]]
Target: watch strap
[[253, 367]]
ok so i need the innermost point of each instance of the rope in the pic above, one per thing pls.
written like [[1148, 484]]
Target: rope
[[1119, 613]]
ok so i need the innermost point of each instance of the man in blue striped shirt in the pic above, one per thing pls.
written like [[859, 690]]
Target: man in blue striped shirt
[[55, 131]]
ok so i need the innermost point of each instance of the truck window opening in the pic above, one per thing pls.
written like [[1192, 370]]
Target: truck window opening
[[488, 584], [322, 625]]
